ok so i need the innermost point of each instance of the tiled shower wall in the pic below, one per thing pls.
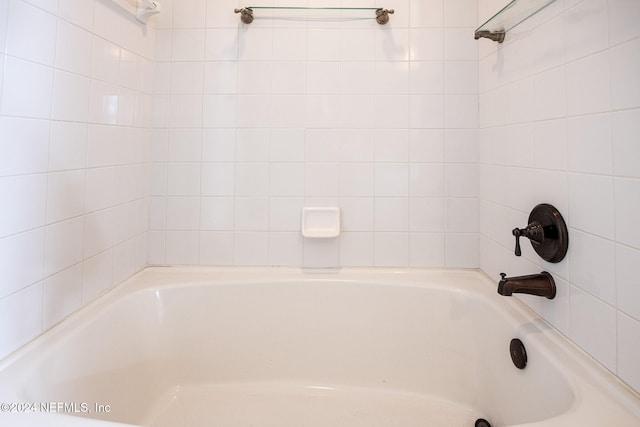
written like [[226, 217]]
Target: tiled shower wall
[[75, 114], [560, 124], [253, 122]]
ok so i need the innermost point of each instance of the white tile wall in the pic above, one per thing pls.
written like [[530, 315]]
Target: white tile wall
[[582, 158], [294, 112], [251, 123], [73, 149]]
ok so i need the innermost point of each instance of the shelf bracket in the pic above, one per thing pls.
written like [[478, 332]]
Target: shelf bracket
[[382, 15], [246, 14], [496, 36]]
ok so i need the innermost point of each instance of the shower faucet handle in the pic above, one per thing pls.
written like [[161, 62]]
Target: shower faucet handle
[[516, 232], [533, 231]]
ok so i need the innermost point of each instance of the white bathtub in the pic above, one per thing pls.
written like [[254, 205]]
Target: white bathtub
[[194, 347]]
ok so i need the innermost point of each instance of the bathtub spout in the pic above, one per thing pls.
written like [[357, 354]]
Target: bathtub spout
[[541, 285]]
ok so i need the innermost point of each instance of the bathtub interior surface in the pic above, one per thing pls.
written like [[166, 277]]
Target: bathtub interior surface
[[288, 404], [264, 347]]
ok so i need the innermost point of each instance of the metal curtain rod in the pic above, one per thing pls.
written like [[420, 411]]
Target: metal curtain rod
[[246, 13]]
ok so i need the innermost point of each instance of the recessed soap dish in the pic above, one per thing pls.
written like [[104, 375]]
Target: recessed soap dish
[[320, 222]]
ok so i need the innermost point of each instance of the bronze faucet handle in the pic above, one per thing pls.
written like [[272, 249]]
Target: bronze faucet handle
[[517, 232], [533, 231]]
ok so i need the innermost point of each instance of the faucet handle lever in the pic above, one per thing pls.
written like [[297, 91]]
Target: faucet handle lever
[[517, 232], [533, 231]]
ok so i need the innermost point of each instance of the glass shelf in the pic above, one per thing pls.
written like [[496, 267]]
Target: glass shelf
[[311, 8], [510, 16], [381, 15]]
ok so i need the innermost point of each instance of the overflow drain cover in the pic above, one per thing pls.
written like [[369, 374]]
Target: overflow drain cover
[[518, 353], [481, 422]]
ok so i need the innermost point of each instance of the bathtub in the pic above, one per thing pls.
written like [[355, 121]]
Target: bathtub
[[195, 347]]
